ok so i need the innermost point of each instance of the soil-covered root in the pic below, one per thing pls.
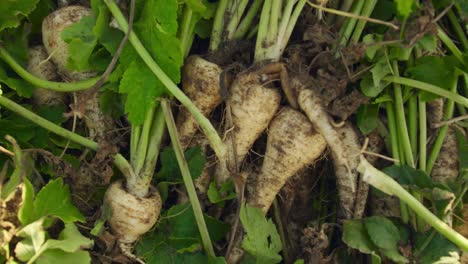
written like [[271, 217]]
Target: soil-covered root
[[201, 83], [131, 216], [344, 144], [40, 66], [292, 145], [252, 107], [52, 28]]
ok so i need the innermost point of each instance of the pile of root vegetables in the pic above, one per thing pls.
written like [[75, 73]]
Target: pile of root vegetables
[[335, 128]]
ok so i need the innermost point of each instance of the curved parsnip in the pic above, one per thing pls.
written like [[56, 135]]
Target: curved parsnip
[[292, 145]]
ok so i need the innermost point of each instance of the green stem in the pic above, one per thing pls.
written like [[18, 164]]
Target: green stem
[[449, 44], [422, 134], [38, 82], [143, 141], [344, 7], [210, 132], [184, 169], [413, 123], [366, 12], [247, 21], [154, 145], [119, 160], [450, 105], [272, 36], [401, 120], [236, 18], [260, 50], [284, 39], [218, 25], [393, 131], [134, 138], [385, 183], [185, 35], [458, 29], [350, 23], [428, 88]]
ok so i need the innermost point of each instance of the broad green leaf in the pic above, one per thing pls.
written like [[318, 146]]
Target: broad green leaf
[[371, 49], [54, 200], [382, 232], [16, 43], [26, 212], [70, 240], [438, 71], [157, 29], [356, 236], [428, 42], [437, 248], [81, 43], [369, 89], [141, 87], [170, 167], [59, 256], [33, 238], [261, 241], [380, 70], [12, 11]]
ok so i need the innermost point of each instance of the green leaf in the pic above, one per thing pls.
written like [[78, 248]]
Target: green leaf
[[437, 248], [142, 88], [394, 255], [170, 167], [382, 232], [12, 11], [407, 175], [70, 240], [109, 37], [34, 237], [54, 200], [369, 89], [438, 71], [21, 87], [404, 7], [26, 212], [215, 196], [16, 43], [44, 8], [81, 43], [157, 29], [367, 117], [261, 241], [356, 236], [59, 256]]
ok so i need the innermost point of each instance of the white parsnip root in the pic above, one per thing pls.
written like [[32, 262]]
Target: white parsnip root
[[53, 25], [131, 216], [345, 148], [201, 84], [52, 28], [40, 66], [292, 145]]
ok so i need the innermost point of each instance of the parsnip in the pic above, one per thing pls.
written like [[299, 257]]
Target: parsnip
[[201, 83], [131, 216], [345, 147], [52, 28], [40, 66], [292, 145]]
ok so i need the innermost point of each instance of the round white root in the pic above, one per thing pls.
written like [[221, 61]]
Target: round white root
[[40, 66], [52, 27], [131, 216], [292, 145], [201, 84]]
